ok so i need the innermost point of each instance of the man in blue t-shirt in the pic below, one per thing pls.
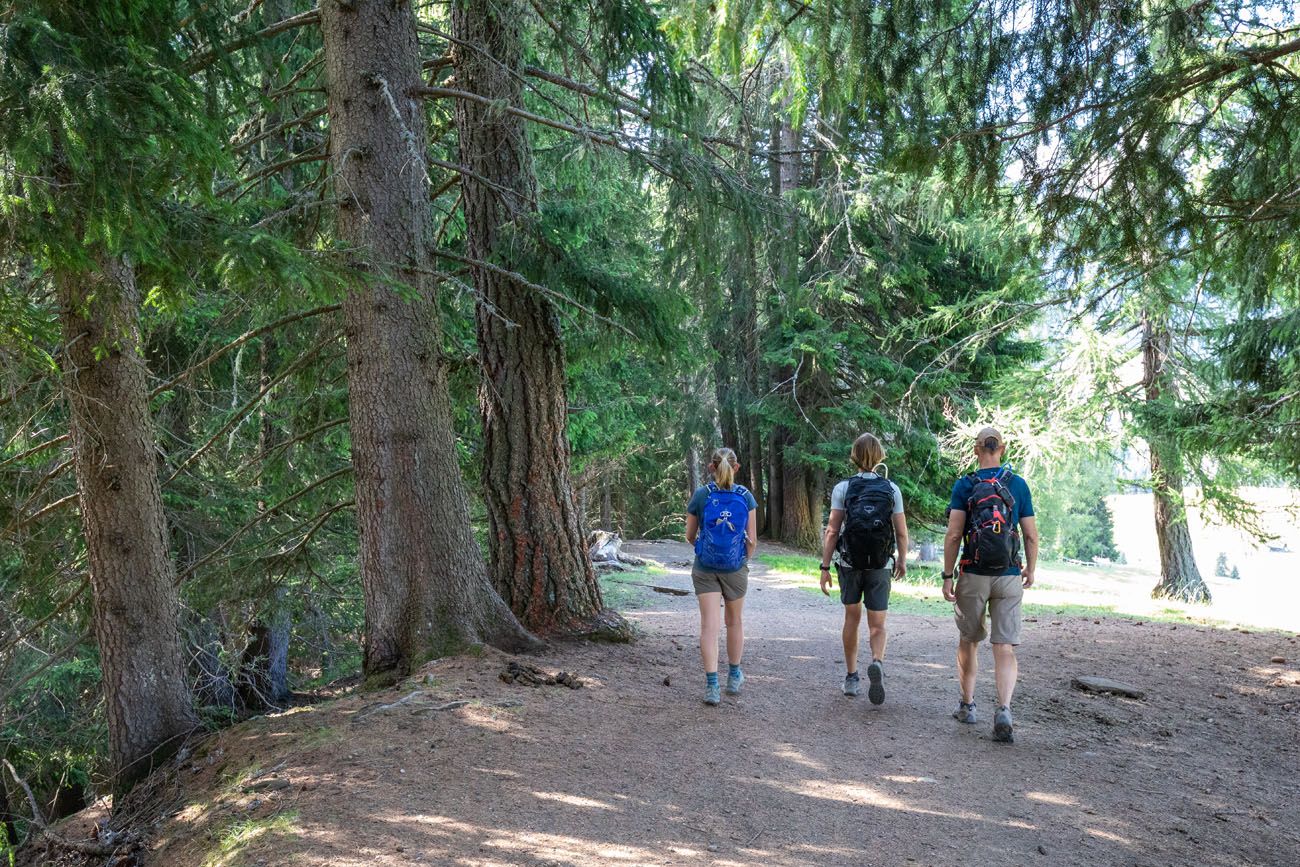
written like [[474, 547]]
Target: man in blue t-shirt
[[998, 596]]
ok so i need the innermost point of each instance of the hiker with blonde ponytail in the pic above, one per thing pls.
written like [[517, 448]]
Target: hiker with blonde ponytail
[[867, 529], [721, 523]]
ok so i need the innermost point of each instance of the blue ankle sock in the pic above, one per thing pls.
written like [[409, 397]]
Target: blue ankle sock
[[733, 670], [711, 678]]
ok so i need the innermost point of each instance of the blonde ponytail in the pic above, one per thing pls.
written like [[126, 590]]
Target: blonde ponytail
[[724, 468], [868, 453]]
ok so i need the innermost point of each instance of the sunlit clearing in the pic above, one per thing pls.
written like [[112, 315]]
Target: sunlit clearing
[[573, 800], [497, 772], [1106, 835], [790, 754]]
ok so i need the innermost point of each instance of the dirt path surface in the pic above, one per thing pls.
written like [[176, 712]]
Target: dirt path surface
[[634, 769]]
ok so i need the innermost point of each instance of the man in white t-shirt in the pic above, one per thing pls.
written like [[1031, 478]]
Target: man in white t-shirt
[[860, 586]]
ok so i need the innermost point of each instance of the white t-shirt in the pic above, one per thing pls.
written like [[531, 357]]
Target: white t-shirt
[[841, 490]]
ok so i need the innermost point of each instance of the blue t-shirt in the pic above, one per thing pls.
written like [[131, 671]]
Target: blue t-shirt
[[696, 505], [1024, 507]]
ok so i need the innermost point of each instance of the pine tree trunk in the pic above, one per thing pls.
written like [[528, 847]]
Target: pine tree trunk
[[801, 510], [745, 313], [539, 559], [724, 371], [692, 470], [606, 503], [136, 603], [1180, 578], [425, 584], [776, 482]]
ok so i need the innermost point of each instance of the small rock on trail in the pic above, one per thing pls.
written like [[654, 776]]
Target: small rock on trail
[[1089, 683]]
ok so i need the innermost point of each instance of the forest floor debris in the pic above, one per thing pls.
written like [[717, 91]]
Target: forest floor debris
[[531, 675], [633, 769]]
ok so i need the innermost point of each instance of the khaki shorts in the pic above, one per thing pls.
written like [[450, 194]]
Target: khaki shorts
[[1000, 595], [732, 585]]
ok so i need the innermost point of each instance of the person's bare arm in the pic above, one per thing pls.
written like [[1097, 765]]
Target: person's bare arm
[[692, 528], [1029, 533], [829, 540], [900, 534], [751, 534], [951, 548]]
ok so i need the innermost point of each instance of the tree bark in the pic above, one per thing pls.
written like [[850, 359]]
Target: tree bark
[[539, 558], [745, 313], [606, 503], [426, 588], [775, 481], [801, 507], [1180, 578], [692, 470], [136, 605]]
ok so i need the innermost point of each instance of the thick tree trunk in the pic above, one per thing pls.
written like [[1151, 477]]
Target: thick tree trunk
[[136, 604], [801, 507], [426, 588], [539, 558], [1180, 578]]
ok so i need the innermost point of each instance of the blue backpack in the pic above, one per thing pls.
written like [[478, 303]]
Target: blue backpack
[[720, 546]]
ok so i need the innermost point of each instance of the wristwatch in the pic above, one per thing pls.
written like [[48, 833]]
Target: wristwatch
[[825, 568], [948, 576]]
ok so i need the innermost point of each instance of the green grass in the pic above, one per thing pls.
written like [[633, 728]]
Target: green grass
[[236, 837], [620, 588], [919, 593]]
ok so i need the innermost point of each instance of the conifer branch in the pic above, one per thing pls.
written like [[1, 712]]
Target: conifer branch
[[305, 358], [240, 341], [207, 58], [520, 279], [261, 516]]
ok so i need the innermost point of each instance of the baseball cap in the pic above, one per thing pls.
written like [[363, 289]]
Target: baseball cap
[[982, 438]]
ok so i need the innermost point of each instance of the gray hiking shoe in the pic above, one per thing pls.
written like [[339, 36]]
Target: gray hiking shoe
[[1002, 725], [876, 674], [965, 713], [852, 684], [712, 694], [734, 682]]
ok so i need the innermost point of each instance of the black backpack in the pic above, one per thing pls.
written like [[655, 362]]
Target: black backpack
[[992, 541], [867, 537]]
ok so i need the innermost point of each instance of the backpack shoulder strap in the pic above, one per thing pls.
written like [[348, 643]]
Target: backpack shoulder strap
[[712, 487]]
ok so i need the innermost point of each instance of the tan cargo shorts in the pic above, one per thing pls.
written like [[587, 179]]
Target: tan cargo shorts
[[999, 596], [732, 585]]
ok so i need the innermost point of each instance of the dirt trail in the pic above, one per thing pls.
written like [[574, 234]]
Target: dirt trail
[[633, 769]]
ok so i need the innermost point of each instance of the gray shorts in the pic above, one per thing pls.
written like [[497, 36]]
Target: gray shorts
[[865, 585], [732, 585], [1000, 596]]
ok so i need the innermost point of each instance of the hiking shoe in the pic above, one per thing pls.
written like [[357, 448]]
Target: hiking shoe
[[734, 682], [965, 713], [852, 684], [1002, 725], [876, 674], [713, 695]]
